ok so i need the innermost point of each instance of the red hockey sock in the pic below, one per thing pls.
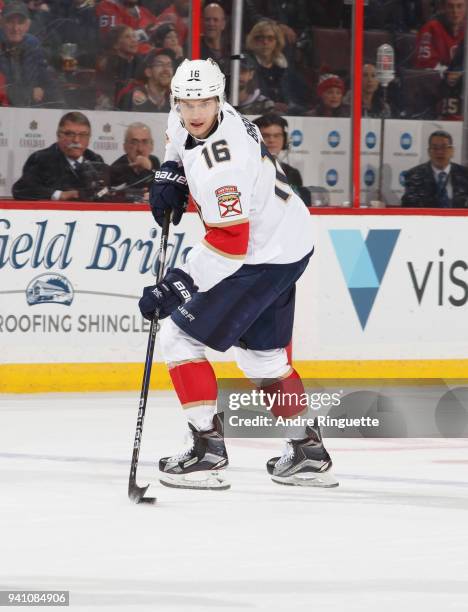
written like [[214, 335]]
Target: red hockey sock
[[288, 393], [194, 383]]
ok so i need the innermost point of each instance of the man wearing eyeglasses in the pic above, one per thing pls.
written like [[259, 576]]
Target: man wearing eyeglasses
[[153, 95], [438, 183], [67, 170], [136, 168]]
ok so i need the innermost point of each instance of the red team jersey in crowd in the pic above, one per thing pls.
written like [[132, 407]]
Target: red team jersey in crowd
[[111, 13], [170, 15], [250, 213], [436, 45]]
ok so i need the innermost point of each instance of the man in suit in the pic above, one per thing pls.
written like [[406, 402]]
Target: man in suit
[[135, 168], [438, 183], [67, 170]]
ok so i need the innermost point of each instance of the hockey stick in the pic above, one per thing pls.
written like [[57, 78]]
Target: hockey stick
[[136, 493]]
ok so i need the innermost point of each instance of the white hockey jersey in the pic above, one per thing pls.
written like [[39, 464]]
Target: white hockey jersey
[[250, 213]]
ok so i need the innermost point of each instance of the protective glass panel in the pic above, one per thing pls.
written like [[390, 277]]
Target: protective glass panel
[[84, 55], [294, 79], [412, 89]]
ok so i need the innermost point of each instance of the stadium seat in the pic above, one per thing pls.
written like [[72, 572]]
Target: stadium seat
[[331, 48], [420, 93], [405, 47], [372, 41]]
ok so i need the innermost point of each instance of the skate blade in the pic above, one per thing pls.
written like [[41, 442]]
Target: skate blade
[[308, 479], [209, 481]]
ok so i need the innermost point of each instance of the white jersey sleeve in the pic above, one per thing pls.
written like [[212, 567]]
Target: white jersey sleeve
[[224, 199]]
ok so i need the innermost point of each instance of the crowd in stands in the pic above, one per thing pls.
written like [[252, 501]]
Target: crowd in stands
[[121, 54]]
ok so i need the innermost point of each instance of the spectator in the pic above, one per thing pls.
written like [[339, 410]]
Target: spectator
[[438, 183], [274, 130], [79, 25], [439, 38], [135, 168], [165, 37], [154, 95], [113, 13], [42, 26], [266, 42], [67, 170], [251, 100], [213, 43], [119, 67], [30, 80], [330, 91], [177, 13], [451, 87], [373, 102]]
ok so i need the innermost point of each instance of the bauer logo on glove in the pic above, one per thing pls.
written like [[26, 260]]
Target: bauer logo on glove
[[169, 191], [176, 288], [185, 293], [173, 177]]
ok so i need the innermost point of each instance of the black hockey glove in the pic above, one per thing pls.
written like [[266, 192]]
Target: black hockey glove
[[169, 191], [175, 289]]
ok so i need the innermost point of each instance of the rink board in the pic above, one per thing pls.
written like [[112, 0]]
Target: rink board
[[318, 147], [384, 295]]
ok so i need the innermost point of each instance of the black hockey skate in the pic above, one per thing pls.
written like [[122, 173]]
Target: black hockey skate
[[198, 466], [304, 463]]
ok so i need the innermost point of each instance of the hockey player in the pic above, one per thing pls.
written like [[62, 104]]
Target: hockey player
[[237, 286]]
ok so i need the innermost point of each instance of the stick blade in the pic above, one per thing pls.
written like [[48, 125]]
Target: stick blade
[[136, 494], [147, 500]]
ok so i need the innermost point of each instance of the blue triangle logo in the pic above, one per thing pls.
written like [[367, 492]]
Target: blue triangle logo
[[380, 245], [363, 264], [363, 300]]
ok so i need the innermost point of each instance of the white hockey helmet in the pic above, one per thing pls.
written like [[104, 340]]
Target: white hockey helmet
[[198, 80]]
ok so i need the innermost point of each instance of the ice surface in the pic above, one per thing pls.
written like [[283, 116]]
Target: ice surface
[[393, 537]]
